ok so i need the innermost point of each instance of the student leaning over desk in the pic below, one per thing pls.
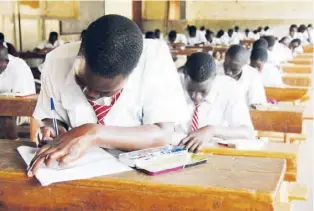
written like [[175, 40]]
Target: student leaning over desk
[[122, 93]]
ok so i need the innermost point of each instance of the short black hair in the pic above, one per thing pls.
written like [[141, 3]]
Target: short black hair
[[202, 28], [259, 29], [302, 28], [259, 54], [200, 67], [1, 37], [255, 31], [270, 40], [54, 34], [282, 40], [247, 30], [192, 30], [266, 28], [293, 26], [113, 45], [172, 35], [238, 52], [260, 43], [220, 33], [230, 32], [309, 25], [236, 28], [296, 41], [150, 35]]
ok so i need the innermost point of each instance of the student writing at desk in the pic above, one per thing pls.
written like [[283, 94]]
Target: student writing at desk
[[123, 93], [15, 77], [52, 43], [217, 107], [235, 66], [176, 40]]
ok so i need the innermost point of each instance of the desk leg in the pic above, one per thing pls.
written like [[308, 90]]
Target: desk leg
[[34, 127]]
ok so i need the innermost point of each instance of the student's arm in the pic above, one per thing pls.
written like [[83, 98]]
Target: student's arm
[[256, 94], [24, 82]]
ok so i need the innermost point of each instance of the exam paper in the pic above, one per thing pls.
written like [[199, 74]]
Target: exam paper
[[97, 162]]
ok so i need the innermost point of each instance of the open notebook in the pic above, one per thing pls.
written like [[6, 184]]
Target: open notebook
[[97, 162]]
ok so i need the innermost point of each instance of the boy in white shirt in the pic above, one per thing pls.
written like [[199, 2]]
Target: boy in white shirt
[[122, 92], [296, 47], [176, 40], [15, 77], [195, 37], [273, 57], [269, 73], [248, 35], [52, 43], [233, 38], [236, 66], [216, 104], [285, 50]]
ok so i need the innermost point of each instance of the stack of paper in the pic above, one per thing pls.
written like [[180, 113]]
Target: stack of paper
[[97, 162]]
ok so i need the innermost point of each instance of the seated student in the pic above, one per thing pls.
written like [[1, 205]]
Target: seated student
[[150, 35], [202, 30], [248, 35], [285, 50], [267, 31], [195, 37], [222, 37], [311, 33], [256, 35], [269, 73], [293, 33], [52, 43], [260, 43], [124, 93], [304, 35], [15, 77], [216, 105], [210, 37], [11, 49], [236, 66], [176, 40], [296, 47], [237, 33], [273, 56], [233, 39]]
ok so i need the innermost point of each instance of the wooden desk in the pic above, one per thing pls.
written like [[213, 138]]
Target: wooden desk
[[305, 56], [286, 93], [289, 152], [308, 49], [20, 106], [247, 43], [300, 68], [32, 55], [186, 52], [225, 183], [297, 79], [308, 61], [278, 120]]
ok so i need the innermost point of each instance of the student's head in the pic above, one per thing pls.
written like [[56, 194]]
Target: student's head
[[112, 47], [258, 58], [255, 31], [309, 26], [192, 31], [259, 29], [149, 35], [236, 28], [4, 58], [220, 33], [266, 28], [1, 37], [200, 72], [236, 57], [302, 28], [247, 31], [271, 42], [230, 32], [260, 43], [293, 30], [172, 36], [285, 41], [202, 28], [53, 37], [295, 43], [157, 33]]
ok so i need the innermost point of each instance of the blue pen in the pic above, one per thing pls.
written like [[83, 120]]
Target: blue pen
[[54, 120]]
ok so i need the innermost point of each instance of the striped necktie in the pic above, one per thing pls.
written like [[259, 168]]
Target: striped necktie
[[194, 125], [102, 110]]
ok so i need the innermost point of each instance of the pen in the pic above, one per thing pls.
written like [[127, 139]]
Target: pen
[[54, 120]]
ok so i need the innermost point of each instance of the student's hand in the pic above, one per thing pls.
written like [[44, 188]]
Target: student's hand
[[195, 139], [48, 134], [67, 148]]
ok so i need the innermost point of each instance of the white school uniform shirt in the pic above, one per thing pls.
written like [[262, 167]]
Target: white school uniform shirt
[[252, 84], [152, 94], [181, 38], [199, 38], [224, 39], [271, 76], [17, 77], [47, 44], [250, 36], [234, 40], [225, 105]]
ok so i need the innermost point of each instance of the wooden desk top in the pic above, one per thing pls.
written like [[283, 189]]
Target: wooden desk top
[[286, 93], [300, 68], [224, 183], [17, 106], [32, 55], [295, 79], [302, 60]]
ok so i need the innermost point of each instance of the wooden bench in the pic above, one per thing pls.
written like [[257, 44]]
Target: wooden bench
[[305, 56], [306, 61], [186, 52], [303, 80], [308, 49], [20, 106], [300, 68], [234, 183], [286, 93]]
